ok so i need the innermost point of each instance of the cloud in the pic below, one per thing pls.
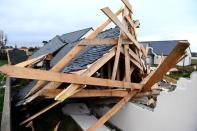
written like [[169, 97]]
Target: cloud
[[28, 21]]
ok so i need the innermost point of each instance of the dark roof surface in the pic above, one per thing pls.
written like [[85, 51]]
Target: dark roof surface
[[59, 41], [194, 54], [74, 36], [50, 47], [161, 47], [91, 53], [84, 58], [16, 56]]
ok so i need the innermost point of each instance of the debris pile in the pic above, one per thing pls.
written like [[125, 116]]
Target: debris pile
[[96, 68]]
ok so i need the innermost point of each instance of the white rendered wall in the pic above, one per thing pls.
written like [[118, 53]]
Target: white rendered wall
[[176, 111]]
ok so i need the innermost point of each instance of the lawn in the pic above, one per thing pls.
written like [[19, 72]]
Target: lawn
[[184, 72]]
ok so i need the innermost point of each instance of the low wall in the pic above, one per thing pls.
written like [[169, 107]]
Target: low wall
[[176, 111]]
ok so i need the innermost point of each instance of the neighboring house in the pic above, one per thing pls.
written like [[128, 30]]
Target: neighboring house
[[157, 49], [194, 55]]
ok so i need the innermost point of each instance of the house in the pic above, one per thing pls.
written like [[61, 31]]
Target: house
[[157, 49], [194, 55]]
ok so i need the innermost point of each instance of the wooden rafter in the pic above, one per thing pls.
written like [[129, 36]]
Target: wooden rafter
[[168, 63], [116, 21], [36, 74], [73, 52], [51, 93], [128, 5], [117, 56], [30, 61], [106, 41], [70, 89]]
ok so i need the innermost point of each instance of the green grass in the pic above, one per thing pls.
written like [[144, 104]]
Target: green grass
[[176, 76], [3, 62], [184, 72]]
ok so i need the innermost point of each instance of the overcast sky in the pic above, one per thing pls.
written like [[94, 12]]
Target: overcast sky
[[29, 22]]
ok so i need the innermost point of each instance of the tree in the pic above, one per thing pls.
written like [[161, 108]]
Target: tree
[[3, 39]]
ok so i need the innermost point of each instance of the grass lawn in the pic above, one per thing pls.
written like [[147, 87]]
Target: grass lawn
[[3, 62], [184, 72]]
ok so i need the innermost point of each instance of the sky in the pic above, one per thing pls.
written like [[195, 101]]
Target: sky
[[29, 22]]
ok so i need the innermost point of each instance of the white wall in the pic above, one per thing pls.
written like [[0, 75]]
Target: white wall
[[176, 111], [194, 58], [186, 61]]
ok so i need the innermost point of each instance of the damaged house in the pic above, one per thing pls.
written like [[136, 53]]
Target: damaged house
[[64, 85], [159, 49]]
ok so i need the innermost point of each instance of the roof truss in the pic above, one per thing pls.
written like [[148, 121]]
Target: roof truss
[[126, 44]]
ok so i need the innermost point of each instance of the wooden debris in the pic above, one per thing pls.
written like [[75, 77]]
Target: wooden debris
[[121, 72]]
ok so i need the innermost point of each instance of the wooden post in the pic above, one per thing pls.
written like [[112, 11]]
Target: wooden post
[[6, 115]]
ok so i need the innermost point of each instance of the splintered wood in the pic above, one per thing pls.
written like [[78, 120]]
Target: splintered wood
[[122, 72]]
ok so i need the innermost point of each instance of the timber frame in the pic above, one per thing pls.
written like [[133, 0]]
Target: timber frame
[[123, 87]]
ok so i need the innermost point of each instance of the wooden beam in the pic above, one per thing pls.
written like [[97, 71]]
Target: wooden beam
[[88, 72], [126, 49], [133, 25], [36, 74], [133, 55], [116, 21], [112, 111], [30, 61], [73, 52], [6, 114], [40, 112], [169, 62], [103, 25], [127, 63], [136, 64], [128, 5], [70, 90], [116, 61], [106, 41], [173, 81], [51, 93]]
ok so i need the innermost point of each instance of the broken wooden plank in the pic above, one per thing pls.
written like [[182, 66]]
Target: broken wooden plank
[[133, 25], [117, 56], [30, 62], [88, 72], [136, 63], [168, 63], [173, 81], [36, 74], [103, 25], [128, 5], [133, 55], [112, 111], [70, 90], [51, 93], [127, 63], [97, 41], [116, 21], [40, 112], [6, 114], [84, 93]]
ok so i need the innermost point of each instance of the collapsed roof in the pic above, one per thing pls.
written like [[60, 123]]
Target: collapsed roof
[[104, 68]]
